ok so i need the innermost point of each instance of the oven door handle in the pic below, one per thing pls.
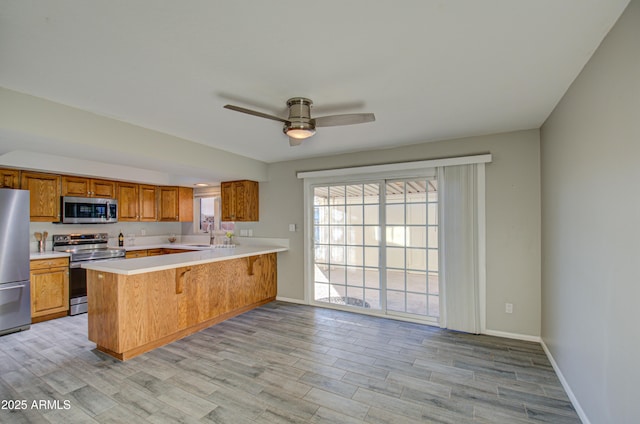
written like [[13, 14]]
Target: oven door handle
[[75, 265]]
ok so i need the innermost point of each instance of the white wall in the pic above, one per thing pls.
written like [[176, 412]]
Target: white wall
[[150, 229], [590, 155], [513, 218], [66, 138]]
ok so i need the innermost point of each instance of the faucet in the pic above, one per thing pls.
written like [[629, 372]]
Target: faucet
[[212, 237]]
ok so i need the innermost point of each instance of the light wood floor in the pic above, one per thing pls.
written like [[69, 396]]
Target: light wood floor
[[283, 363]]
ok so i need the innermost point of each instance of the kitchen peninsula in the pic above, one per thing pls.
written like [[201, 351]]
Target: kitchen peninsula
[[136, 305]]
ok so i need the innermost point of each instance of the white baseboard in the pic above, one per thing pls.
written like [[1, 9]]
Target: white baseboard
[[517, 336], [565, 385], [291, 300]]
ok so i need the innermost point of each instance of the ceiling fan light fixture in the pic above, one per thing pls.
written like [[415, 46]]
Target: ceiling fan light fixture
[[299, 131]]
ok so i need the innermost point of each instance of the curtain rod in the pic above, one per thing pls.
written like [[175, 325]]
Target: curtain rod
[[388, 167]]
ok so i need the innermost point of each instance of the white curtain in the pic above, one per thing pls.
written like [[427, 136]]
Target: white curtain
[[459, 263]]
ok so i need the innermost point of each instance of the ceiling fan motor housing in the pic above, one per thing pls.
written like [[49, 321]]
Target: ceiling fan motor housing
[[299, 116]]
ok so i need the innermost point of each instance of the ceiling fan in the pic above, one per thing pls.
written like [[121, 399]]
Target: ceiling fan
[[300, 125]]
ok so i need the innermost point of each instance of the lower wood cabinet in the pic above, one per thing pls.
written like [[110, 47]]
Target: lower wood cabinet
[[141, 253], [132, 314], [167, 251], [135, 253], [49, 288]]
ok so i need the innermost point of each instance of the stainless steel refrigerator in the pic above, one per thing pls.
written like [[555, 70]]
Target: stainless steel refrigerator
[[15, 288]]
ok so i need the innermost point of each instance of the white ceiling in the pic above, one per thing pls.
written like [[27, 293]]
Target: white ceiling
[[428, 69]]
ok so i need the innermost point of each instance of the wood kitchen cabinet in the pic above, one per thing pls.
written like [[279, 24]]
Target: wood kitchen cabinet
[[127, 195], [9, 178], [240, 200], [141, 253], [44, 195], [175, 204], [148, 202], [49, 288], [167, 251], [135, 253], [137, 202], [88, 187], [132, 314]]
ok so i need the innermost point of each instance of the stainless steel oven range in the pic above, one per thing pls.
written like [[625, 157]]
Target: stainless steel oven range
[[83, 248]]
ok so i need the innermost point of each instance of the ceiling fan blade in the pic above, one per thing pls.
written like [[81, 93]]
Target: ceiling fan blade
[[295, 141], [348, 119], [255, 113], [280, 110]]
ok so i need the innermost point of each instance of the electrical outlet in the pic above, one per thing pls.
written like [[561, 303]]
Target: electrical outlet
[[292, 227], [508, 308]]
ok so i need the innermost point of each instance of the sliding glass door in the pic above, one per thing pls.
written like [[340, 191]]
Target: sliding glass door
[[376, 246], [346, 228], [411, 221]]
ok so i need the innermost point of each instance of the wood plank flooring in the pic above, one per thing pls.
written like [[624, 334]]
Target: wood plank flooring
[[282, 363]]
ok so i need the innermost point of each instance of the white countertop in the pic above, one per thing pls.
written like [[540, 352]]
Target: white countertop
[[48, 255], [161, 262]]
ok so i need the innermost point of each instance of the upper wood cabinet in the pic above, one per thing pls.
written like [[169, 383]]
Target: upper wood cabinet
[[128, 201], [240, 200], [9, 178], [88, 187], [148, 202], [44, 195], [137, 202], [175, 204]]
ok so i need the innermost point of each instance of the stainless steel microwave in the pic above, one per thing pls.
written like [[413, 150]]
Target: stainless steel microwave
[[88, 210]]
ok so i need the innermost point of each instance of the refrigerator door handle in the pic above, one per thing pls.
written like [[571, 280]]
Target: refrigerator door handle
[[14, 287]]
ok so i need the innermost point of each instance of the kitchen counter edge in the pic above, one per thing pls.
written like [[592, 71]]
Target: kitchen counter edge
[[47, 255], [143, 265]]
